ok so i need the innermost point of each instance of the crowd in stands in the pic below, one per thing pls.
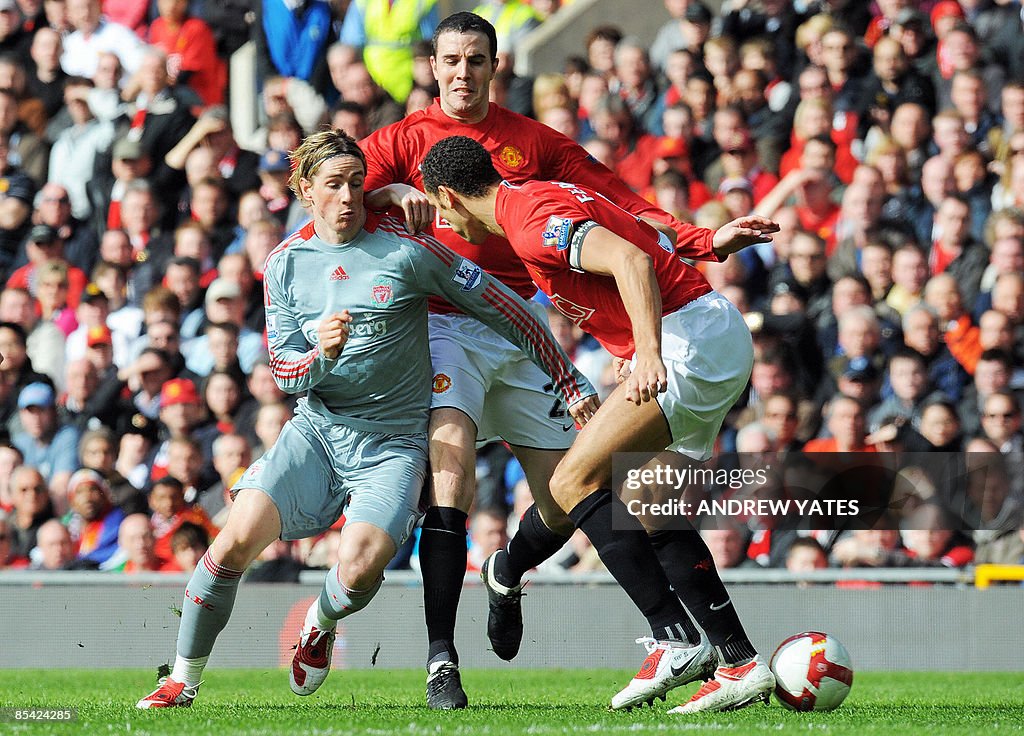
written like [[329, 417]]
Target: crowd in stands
[[886, 138]]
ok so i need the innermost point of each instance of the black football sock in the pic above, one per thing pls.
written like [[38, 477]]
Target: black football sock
[[690, 568], [532, 544], [629, 557], [443, 565]]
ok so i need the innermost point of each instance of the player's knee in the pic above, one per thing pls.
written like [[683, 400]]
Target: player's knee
[[569, 485], [359, 568], [234, 549]]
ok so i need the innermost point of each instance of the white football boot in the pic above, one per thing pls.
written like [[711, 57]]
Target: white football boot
[[668, 665], [732, 688]]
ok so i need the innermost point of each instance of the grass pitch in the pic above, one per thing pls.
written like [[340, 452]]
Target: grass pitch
[[535, 702]]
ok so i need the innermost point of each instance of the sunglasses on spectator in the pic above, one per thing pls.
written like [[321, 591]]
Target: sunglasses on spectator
[[1005, 415]]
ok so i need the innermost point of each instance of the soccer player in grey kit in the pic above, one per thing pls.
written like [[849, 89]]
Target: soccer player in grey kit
[[346, 302]]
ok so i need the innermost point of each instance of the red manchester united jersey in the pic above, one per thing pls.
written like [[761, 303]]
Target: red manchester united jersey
[[546, 223], [522, 149]]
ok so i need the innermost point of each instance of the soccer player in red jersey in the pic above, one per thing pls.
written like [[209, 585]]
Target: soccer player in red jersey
[[483, 387], [690, 356]]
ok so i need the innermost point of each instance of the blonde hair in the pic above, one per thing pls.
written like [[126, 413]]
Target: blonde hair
[[814, 27], [317, 148]]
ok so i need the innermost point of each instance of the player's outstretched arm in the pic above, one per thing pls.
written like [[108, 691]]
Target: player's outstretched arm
[[466, 285], [296, 364], [743, 232], [415, 206]]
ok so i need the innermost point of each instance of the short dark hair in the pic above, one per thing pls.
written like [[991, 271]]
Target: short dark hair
[[996, 355], [189, 535], [466, 23], [461, 164], [170, 480]]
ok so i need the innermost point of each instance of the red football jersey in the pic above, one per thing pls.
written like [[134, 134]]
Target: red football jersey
[[543, 222], [522, 149]]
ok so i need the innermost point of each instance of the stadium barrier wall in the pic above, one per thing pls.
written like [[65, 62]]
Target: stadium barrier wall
[[938, 622]]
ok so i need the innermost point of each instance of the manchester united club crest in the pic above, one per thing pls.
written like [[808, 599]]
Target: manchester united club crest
[[441, 383], [382, 292], [512, 157]]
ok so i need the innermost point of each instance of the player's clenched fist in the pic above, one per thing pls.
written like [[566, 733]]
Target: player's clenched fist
[[333, 333], [648, 379]]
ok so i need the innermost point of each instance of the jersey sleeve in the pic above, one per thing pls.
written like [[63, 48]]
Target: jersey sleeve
[[382, 158], [296, 365], [576, 165], [445, 273]]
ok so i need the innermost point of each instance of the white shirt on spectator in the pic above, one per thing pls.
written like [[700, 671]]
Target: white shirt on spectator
[[81, 53]]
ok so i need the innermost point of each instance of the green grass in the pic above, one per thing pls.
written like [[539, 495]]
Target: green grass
[[502, 703]]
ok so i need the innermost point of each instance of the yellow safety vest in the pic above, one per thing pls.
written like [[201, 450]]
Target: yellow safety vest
[[508, 18], [391, 30]]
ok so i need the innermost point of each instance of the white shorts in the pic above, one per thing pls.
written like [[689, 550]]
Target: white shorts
[[708, 352], [493, 382]]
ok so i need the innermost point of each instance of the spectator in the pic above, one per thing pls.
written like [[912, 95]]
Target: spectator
[[930, 542], [94, 34], [908, 378], [909, 275], [169, 512], [10, 458], [806, 554], [290, 42], [44, 345], [93, 519], [1001, 424], [234, 344], [866, 548], [270, 420], [76, 150], [845, 420], [45, 445], [191, 52], [53, 208], [56, 550], [98, 450], [993, 373], [728, 548], [15, 203], [232, 454], [213, 131], [189, 543], [488, 531], [33, 507], [387, 35], [136, 545], [921, 333], [46, 79]]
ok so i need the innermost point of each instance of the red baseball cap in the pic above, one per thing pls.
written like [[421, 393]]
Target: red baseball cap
[[178, 391], [945, 9], [98, 335]]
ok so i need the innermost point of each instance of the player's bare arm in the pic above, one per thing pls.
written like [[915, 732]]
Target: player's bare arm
[[418, 211], [605, 253], [742, 232], [663, 228], [332, 334]]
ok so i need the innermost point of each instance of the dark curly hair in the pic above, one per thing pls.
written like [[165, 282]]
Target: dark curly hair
[[461, 164]]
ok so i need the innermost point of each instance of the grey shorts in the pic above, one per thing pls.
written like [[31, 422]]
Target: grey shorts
[[318, 470]]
